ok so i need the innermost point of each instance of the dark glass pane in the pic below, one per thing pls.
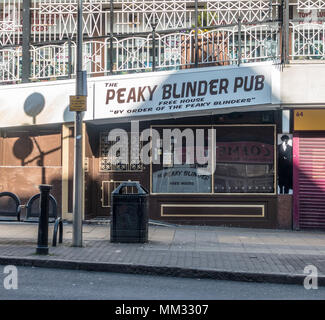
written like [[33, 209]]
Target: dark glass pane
[[244, 159], [179, 170]]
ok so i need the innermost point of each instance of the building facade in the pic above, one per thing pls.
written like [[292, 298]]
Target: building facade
[[244, 71]]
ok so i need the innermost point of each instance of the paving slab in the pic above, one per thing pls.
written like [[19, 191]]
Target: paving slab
[[188, 251]]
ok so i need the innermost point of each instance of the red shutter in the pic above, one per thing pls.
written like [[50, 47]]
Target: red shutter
[[310, 177]]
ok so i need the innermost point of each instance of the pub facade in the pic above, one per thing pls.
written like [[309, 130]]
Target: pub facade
[[230, 76]]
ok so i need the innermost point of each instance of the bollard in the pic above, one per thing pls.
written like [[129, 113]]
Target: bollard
[[43, 223]]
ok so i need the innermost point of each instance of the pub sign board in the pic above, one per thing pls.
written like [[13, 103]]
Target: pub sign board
[[181, 91]]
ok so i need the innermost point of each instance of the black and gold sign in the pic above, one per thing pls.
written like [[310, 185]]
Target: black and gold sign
[[78, 103]]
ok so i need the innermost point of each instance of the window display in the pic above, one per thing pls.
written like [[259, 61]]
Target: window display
[[179, 169], [243, 162]]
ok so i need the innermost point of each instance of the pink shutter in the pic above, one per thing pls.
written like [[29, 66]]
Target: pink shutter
[[309, 180]]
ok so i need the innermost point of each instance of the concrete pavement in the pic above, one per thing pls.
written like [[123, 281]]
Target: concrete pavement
[[60, 284], [188, 251]]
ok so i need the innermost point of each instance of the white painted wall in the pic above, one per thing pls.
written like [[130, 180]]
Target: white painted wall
[[297, 84], [48, 100], [303, 84]]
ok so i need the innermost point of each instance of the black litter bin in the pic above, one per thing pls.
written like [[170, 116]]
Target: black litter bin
[[129, 215]]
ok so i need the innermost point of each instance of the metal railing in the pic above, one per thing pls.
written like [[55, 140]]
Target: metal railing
[[10, 65], [307, 41], [187, 34], [57, 19], [219, 46]]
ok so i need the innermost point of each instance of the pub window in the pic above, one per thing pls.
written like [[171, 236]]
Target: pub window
[[242, 164], [108, 163], [171, 177], [244, 159]]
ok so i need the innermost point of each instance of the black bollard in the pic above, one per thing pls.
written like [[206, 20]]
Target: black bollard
[[43, 224]]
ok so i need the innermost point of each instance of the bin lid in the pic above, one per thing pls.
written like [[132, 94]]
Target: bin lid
[[141, 190]]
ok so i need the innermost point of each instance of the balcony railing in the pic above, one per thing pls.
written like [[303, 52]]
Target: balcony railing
[[57, 19], [307, 41], [118, 35], [220, 46]]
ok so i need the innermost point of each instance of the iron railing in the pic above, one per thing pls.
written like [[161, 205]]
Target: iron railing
[[119, 35], [219, 46]]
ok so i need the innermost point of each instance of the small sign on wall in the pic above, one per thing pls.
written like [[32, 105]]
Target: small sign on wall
[[310, 120], [78, 103]]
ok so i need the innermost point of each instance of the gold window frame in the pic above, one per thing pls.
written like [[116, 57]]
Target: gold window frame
[[198, 206]]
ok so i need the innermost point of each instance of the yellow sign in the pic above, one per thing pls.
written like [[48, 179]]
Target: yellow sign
[[78, 103], [311, 120]]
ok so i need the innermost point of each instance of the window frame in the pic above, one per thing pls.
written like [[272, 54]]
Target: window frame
[[129, 151], [212, 193]]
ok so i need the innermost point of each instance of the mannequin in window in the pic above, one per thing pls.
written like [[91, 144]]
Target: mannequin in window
[[285, 165]]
